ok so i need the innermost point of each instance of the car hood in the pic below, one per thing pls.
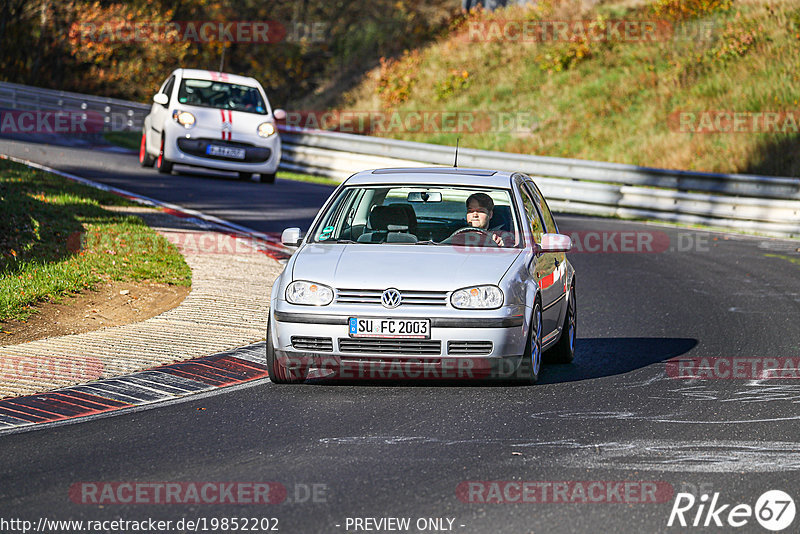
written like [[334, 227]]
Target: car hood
[[405, 267]]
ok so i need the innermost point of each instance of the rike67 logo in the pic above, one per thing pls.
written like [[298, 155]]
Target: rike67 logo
[[774, 510]]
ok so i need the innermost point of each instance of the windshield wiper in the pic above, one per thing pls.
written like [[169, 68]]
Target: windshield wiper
[[427, 242]]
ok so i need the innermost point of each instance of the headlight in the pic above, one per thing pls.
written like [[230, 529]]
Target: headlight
[[184, 118], [309, 294], [478, 297], [265, 129]]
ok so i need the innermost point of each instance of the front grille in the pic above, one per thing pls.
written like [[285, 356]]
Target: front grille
[[409, 298], [469, 347], [197, 147], [390, 360], [322, 344], [390, 346]]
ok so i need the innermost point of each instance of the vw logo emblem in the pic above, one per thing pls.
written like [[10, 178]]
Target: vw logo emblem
[[391, 298]]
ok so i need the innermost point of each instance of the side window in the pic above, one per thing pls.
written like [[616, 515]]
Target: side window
[[333, 224], [549, 222], [352, 227], [167, 89], [532, 215]]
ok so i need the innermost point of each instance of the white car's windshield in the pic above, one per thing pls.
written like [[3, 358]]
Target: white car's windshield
[[420, 215], [221, 95]]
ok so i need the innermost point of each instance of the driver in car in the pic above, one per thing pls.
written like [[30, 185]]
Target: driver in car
[[480, 208]]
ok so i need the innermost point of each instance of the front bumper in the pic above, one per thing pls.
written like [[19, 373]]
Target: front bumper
[[262, 155], [461, 345], [198, 148]]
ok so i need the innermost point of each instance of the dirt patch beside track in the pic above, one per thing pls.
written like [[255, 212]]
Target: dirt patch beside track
[[113, 304]]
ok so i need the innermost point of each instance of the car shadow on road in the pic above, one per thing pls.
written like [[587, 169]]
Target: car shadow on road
[[607, 356]]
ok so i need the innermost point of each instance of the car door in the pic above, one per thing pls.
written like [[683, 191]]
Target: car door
[[544, 267], [160, 114]]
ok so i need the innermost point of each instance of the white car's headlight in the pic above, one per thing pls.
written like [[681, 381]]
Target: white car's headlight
[[309, 293], [265, 129], [184, 118], [477, 297]]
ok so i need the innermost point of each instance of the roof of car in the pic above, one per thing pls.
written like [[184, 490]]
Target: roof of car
[[433, 175], [199, 74]]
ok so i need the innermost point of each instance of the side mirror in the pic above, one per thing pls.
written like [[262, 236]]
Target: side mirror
[[279, 114], [161, 98], [555, 243], [291, 237]]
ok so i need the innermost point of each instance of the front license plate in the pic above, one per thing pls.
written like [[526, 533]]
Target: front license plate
[[225, 151], [390, 328]]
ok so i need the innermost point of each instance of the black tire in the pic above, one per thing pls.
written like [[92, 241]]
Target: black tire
[[564, 350], [145, 159], [163, 165], [245, 175], [278, 373], [531, 364], [268, 178]]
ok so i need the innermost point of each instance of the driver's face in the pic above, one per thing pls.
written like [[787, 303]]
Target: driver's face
[[477, 215]]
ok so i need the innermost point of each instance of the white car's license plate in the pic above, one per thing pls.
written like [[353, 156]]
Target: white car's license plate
[[225, 151], [390, 328]]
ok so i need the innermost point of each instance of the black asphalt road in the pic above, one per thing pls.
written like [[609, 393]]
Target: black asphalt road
[[263, 207], [398, 450]]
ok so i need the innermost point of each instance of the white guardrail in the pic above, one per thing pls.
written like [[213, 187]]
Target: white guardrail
[[763, 204]]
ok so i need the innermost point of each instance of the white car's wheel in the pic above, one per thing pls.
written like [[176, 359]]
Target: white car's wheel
[[145, 159], [163, 165]]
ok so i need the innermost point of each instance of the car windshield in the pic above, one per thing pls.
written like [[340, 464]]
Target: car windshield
[[221, 95], [430, 215]]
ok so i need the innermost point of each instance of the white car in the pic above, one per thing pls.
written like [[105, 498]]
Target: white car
[[213, 120]]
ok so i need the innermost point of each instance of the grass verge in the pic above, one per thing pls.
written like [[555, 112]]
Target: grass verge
[[129, 140], [308, 178], [56, 239]]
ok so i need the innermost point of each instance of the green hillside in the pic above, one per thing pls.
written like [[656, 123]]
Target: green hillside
[[714, 86]]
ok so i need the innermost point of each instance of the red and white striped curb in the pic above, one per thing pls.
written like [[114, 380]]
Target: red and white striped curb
[[159, 384]]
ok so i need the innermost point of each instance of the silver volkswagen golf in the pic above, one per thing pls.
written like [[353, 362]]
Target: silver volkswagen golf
[[425, 273]]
